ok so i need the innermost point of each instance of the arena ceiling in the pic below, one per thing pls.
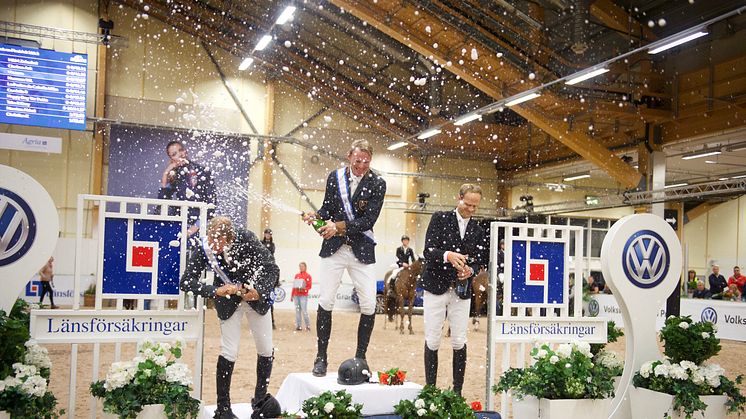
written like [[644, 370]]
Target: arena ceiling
[[403, 66]]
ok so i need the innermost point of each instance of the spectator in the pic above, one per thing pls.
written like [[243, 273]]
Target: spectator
[[596, 283], [701, 291], [737, 279], [718, 284], [732, 293], [46, 276], [299, 295]]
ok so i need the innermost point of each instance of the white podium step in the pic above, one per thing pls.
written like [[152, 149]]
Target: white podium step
[[242, 410]]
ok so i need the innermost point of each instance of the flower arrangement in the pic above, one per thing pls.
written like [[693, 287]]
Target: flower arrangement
[[434, 403], [683, 373], [392, 377], [332, 405], [476, 406], [25, 367], [152, 377], [565, 373]]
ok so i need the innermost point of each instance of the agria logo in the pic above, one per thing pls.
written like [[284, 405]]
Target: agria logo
[[646, 259], [709, 315], [17, 227]]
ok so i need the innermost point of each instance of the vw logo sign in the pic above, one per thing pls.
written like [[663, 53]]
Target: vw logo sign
[[709, 315], [278, 295], [17, 227], [593, 308], [646, 259]]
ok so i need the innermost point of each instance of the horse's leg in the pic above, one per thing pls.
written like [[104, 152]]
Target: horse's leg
[[411, 308], [477, 309], [400, 311]]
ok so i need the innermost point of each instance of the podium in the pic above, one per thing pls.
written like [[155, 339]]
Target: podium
[[375, 398]]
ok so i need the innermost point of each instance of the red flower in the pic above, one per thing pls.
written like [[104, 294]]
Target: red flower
[[400, 376], [383, 378], [476, 406]]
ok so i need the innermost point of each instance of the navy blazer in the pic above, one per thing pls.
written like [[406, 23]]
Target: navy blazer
[[366, 204], [250, 262], [192, 182], [443, 235]]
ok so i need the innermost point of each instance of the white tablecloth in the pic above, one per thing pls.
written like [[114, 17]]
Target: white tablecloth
[[375, 398]]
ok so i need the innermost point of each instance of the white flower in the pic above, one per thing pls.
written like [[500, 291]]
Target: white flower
[[120, 374], [684, 325], [564, 350], [610, 359], [688, 365], [568, 365], [34, 385], [433, 407], [646, 369], [661, 370], [705, 335], [160, 360], [697, 377], [421, 412], [328, 407], [37, 355], [314, 412], [419, 403], [23, 370], [677, 372], [350, 408], [179, 373], [541, 353], [712, 374], [714, 327], [554, 359], [584, 348]]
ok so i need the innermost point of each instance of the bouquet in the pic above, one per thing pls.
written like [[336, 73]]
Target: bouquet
[[684, 373], [565, 373], [392, 377], [433, 403], [152, 377], [329, 405]]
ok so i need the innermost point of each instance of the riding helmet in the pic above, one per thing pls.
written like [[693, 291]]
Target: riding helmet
[[352, 372], [404, 237], [266, 407]]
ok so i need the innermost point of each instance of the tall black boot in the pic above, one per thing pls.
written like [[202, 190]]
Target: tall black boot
[[263, 372], [223, 383], [323, 332], [459, 369], [431, 366], [364, 330]]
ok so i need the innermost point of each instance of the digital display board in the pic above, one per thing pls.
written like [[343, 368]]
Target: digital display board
[[42, 88]]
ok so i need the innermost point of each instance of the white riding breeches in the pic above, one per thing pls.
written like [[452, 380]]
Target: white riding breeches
[[439, 307], [230, 331], [362, 275]]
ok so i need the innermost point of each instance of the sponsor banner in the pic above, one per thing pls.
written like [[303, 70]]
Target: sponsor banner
[[605, 305], [546, 329], [23, 142], [62, 286], [88, 326], [346, 298]]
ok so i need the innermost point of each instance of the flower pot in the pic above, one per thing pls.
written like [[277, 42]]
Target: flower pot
[[89, 300], [574, 408], [528, 407], [149, 411], [4, 414], [652, 404]]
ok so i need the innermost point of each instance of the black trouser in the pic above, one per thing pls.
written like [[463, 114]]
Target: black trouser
[[46, 287]]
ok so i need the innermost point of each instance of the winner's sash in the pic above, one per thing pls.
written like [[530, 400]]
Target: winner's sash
[[344, 195]]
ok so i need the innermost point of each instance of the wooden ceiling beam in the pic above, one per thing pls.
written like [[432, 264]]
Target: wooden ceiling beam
[[616, 18]]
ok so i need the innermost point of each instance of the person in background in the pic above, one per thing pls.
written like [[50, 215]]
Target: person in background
[[718, 284], [46, 276], [701, 291], [404, 257], [299, 295], [732, 293], [269, 243], [737, 279]]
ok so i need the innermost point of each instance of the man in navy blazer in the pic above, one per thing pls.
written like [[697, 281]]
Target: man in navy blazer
[[352, 202], [455, 248]]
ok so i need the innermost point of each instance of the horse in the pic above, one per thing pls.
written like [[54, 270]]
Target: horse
[[404, 289], [479, 289]]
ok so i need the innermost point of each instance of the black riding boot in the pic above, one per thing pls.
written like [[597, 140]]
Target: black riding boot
[[323, 332], [263, 372], [364, 330], [223, 382], [431, 366], [459, 369]]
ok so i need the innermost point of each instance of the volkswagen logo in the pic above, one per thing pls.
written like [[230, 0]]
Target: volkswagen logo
[[593, 308], [709, 315], [278, 295], [17, 227], [646, 259]]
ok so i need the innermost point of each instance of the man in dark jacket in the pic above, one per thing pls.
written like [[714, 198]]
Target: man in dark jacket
[[718, 284], [404, 253], [352, 202], [455, 248], [245, 274]]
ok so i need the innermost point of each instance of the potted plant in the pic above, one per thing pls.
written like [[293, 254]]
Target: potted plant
[[89, 296], [434, 403], [682, 385], [392, 377], [562, 383], [327, 405], [24, 368], [152, 385]]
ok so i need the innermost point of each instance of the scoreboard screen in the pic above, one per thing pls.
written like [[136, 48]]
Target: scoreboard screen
[[42, 88]]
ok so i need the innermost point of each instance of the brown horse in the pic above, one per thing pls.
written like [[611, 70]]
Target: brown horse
[[404, 289], [479, 288]]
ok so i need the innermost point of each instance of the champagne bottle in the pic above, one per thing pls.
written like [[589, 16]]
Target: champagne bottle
[[317, 223]]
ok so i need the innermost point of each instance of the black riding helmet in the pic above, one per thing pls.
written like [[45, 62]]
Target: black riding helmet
[[266, 407], [352, 372]]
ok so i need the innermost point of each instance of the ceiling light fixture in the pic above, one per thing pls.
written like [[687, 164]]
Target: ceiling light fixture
[[676, 42], [246, 63], [701, 153], [577, 176], [429, 133], [737, 147], [710, 162], [522, 98], [738, 177], [397, 146], [285, 15], [585, 75], [266, 39], [676, 185], [467, 118]]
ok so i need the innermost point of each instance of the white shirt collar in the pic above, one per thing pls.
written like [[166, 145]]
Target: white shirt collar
[[460, 218]]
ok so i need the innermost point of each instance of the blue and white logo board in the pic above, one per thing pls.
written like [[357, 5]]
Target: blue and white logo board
[[29, 226], [538, 273], [140, 256]]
